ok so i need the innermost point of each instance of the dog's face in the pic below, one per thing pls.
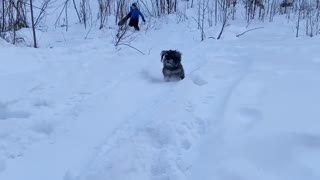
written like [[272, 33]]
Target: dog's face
[[172, 67], [171, 57]]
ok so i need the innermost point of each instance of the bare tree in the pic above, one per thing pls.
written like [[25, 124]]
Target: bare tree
[[211, 12], [285, 5], [76, 9], [232, 5], [181, 14], [104, 11], [85, 13], [168, 6], [272, 9], [202, 11], [33, 26], [312, 18], [3, 18], [216, 12], [16, 15], [21, 18], [300, 4], [318, 17], [251, 8], [225, 16], [121, 9], [152, 7]]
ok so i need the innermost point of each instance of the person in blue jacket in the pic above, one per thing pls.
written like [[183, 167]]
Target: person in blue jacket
[[134, 17]]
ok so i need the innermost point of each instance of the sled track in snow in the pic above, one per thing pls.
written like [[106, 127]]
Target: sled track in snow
[[148, 135], [153, 145]]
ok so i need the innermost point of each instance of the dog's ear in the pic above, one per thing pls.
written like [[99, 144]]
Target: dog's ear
[[178, 55], [163, 53]]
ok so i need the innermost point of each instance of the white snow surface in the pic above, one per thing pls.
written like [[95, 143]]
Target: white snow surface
[[79, 109]]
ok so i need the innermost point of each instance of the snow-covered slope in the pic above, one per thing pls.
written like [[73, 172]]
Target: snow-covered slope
[[78, 109]]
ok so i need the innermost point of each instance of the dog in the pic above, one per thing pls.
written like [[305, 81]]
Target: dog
[[172, 67]]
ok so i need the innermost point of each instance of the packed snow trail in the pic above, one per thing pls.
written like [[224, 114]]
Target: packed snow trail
[[156, 142]]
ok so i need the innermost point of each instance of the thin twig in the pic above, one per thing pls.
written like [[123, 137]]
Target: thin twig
[[146, 8], [196, 21], [90, 29], [64, 6], [132, 47]]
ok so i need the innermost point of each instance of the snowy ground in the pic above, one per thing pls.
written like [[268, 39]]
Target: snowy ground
[[77, 109]]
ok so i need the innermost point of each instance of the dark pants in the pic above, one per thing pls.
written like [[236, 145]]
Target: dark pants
[[134, 23]]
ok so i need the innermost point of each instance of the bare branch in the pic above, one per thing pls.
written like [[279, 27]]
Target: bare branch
[[131, 47], [248, 31]]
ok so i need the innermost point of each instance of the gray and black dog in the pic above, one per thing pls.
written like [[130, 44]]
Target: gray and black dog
[[172, 67]]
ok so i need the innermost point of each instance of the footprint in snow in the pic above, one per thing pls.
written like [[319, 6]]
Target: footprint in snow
[[198, 80], [249, 116], [5, 113]]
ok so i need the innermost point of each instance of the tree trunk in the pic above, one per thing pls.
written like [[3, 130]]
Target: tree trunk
[[3, 18], [33, 26]]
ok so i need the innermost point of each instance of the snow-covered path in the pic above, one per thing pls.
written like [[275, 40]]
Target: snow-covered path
[[98, 108]]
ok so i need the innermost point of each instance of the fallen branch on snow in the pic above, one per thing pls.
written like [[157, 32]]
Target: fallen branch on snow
[[131, 47], [248, 31]]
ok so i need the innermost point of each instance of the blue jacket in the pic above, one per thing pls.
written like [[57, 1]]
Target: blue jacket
[[134, 14]]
